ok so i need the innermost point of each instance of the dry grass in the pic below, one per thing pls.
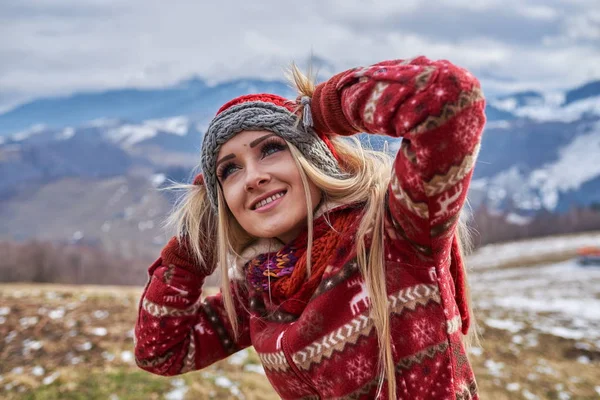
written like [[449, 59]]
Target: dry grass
[[76, 342], [551, 369], [54, 347]]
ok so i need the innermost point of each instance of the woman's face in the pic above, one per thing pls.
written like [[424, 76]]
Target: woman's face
[[262, 186]]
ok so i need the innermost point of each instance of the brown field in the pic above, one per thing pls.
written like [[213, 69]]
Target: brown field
[[75, 342]]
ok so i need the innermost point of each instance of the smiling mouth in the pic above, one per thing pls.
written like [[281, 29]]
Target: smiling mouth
[[269, 200]]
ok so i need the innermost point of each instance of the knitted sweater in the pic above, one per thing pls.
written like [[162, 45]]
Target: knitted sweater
[[328, 348]]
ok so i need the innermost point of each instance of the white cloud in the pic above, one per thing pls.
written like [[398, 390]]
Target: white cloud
[[476, 5], [584, 26], [538, 12], [97, 44]]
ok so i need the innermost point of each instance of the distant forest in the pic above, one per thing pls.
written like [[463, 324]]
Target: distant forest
[[489, 227], [46, 262]]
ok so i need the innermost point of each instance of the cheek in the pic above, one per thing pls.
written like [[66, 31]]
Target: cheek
[[232, 198]]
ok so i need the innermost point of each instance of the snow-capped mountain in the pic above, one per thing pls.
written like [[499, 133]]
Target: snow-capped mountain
[[527, 166], [545, 158], [97, 149], [122, 133], [193, 98], [540, 155], [566, 106]]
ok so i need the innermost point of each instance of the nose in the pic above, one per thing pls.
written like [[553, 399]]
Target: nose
[[255, 177]]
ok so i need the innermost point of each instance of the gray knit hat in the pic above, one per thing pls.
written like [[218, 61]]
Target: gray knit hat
[[265, 112]]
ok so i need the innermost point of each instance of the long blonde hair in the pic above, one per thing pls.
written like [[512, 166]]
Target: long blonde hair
[[368, 178]]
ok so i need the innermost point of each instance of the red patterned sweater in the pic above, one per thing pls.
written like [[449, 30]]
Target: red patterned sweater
[[329, 348]]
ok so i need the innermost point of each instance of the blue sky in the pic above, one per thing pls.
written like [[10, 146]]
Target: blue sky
[[56, 47]]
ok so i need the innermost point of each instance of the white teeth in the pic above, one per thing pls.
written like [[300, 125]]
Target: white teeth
[[268, 200]]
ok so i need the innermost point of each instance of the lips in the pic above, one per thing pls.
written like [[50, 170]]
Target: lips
[[267, 198]]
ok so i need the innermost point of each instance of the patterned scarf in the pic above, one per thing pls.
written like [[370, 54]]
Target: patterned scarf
[[285, 272]]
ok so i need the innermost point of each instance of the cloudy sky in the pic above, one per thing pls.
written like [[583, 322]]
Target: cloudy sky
[[56, 47]]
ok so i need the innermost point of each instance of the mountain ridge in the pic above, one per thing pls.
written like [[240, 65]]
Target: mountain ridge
[[536, 162], [197, 99]]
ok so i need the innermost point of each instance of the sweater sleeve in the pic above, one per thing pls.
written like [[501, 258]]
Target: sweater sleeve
[[437, 109], [176, 331]]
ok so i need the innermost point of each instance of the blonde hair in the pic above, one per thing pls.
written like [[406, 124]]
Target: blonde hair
[[369, 174]]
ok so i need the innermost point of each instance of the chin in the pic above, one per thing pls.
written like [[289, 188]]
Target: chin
[[282, 230]]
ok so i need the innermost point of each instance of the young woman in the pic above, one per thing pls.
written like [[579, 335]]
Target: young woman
[[340, 266]]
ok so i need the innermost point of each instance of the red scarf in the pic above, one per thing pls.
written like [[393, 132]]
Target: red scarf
[[285, 271]]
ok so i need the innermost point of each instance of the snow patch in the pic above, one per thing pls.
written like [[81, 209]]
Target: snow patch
[[99, 331], [27, 322], [551, 108], [51, 378], [223, 382], [493, 255], [30, 345], [255, 368], [131, 134], [494, 368], [577, 164], [179, 390], [127, 356], [34, 130], [176, 125], [513, 387], [84, 346], [100, 314], [57, 314], [66, 133], [238, 358], [516, 219], [504, 324]]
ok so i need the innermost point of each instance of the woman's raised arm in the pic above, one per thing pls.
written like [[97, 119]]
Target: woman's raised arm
[[438, 110], [176, 331]]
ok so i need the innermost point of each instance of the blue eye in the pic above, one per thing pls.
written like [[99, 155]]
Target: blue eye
[[272, 146], [226, 170], [269, 147]]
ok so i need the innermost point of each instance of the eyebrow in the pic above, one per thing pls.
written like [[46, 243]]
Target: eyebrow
[[227, 157], [252, 145], [260, 139]]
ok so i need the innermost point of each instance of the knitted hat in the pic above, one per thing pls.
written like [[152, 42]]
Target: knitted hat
[[265, 112]]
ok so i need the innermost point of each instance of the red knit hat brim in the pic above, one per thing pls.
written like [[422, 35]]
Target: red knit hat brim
[[264, 97]]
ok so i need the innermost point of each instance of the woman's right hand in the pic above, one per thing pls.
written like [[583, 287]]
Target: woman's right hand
[[178, 252]]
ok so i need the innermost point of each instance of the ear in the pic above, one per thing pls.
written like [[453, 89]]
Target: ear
[[199, 179]]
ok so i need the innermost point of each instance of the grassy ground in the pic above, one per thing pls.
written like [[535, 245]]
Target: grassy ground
[[75, 342]]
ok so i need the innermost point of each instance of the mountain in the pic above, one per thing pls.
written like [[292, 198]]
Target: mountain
[[569, 105], [589, 90], [527, 166], [89, 167], [96, 150], [192, 98], [545, 157]]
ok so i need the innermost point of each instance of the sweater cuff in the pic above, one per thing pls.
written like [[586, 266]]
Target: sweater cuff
[[327, 111]]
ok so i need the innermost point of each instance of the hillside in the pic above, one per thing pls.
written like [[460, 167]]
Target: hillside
[[540, 335]]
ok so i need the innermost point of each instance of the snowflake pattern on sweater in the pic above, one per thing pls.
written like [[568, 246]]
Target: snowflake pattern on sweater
[[330, 349]]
